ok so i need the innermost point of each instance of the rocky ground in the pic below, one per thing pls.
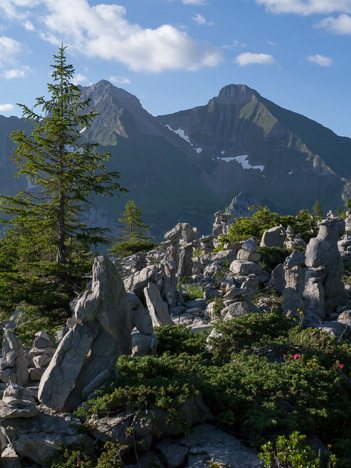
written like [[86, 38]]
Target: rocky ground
[[183, 281]]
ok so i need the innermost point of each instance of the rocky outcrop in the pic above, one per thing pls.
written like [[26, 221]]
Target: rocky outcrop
[[101, 331], [325, 290], [13, 364]]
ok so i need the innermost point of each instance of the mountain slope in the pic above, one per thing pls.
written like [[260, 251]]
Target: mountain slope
[[247, 143], [187, 165]]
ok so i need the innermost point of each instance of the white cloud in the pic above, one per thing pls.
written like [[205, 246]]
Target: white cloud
[[103, 31], [28, 25], [339, 25], [307, 7], [9, 48], [16, 73], [6, 107], [79, 79], [201, 20], [320, 60], [249, 58], [118, 80], [194, 2]]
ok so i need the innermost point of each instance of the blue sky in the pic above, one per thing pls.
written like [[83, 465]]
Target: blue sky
[[177, 54]]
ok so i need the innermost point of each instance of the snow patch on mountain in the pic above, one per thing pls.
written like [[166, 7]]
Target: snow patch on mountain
[[242, 160], [180, 132]]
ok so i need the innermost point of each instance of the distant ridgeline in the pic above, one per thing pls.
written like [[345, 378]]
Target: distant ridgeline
[[187, 165]]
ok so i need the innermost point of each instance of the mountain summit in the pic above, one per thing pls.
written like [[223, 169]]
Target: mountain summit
[[187, 165]]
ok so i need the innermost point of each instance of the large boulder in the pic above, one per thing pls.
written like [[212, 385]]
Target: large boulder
[[158, 308], [37, 438], [274, 237], [101, 331]]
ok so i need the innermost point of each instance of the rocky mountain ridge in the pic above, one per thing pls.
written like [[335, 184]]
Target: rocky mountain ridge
[[186, 165]]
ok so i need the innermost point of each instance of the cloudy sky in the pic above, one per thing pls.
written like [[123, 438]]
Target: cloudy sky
[[177, 54]]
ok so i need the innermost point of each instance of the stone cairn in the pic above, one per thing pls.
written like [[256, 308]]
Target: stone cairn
[[42, 351], [324, 290]]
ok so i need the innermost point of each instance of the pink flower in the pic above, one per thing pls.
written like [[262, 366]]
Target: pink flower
[[341, 366], [297, 356]]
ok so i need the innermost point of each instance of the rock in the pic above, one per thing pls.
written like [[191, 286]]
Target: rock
[[185, 266], [250, 245], [103, 331], [10, 459], [209, 446], [221, 224], [172, 452], [322, 256], [143, 345], [314, 296], [294, 287], [42, 340], [278, 278], [239, 308], [243, 267], [140, 315], [12, 412], [169, 285], [158, 309], [36, 373], [13, 356], [149, 460], [274, 237], [246, 255], [37, 438]]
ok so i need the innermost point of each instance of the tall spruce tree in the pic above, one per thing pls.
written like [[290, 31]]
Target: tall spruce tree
[[64, 173], [134, 236]]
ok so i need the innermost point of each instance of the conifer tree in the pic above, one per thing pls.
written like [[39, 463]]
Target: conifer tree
[[133, 226], [64, 173], [134, 237], [317, 209]]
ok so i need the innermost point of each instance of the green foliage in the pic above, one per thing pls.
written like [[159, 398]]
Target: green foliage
[[134, 233], [45, 254], [293, 452], [348, 203], [193, 291], [317, 210], [261, 377], [271, 257], [197, 252], [32, 320], [263, 219], [126, 248], [180, 339], [133, 225], [107, 456]]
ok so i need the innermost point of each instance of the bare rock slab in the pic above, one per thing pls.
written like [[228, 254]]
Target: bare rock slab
[[209, 446]]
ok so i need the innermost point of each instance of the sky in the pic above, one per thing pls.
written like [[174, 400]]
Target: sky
[[178, 54]]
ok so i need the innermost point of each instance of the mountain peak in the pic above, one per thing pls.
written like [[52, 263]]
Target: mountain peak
[[103, 89], [237, 93]]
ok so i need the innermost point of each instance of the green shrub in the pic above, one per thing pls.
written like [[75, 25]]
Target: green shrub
[[293, 452], [254, 226], [193, 291], [130, 247], [179, 339], [265, 376], [271, 257]]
